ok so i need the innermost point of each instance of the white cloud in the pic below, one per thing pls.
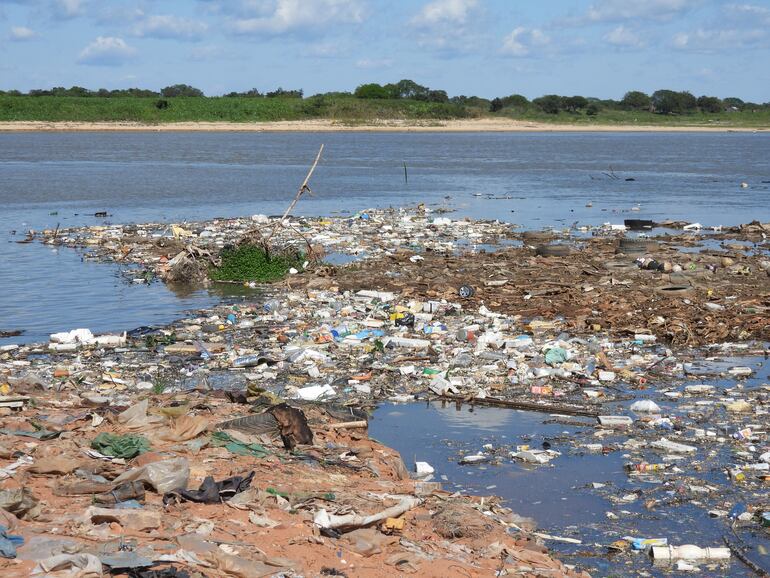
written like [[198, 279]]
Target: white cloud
[[374, 63], [21, 33], [712, 40], [623, 37], [210, 52], [169, 26], [69, 8], [751, 12], [449, 27], [521, 41], [334, 49], [444, 12], [283, 16], [106, 51], [706, 73], [618, 10]]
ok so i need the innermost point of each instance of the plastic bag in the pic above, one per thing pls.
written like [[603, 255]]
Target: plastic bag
[[163, 476], [645, 406]]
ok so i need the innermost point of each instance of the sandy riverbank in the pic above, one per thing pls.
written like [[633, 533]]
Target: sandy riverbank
[[475, 125]]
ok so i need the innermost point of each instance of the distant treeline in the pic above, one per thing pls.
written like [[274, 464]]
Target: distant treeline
[[660, 101], [167, 92]]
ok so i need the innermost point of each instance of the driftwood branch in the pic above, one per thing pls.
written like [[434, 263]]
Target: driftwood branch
[[523, 405], [348, 425], [304, 187]]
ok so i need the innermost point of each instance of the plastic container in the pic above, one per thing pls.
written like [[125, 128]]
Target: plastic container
[[689, 552]]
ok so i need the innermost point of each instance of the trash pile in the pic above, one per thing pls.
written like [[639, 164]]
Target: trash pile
[[596, 278], [179, 253], [233, 441], [115, 462]]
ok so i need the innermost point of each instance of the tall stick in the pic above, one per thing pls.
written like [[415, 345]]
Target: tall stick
[[303, 187]]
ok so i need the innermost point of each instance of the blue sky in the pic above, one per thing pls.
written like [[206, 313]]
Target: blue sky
[[488, 48]]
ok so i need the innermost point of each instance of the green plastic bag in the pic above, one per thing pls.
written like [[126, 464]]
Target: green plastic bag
[[117, 446]]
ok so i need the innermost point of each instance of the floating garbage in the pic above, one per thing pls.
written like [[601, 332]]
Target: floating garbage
[[645, 406]]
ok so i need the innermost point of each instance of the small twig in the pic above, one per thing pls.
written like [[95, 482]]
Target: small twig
[[307, 242]]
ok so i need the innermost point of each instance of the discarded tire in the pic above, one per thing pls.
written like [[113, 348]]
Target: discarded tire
[[535, 237], [466, 291], [674, 290], [553, 250], [620, 266], [635, 246]]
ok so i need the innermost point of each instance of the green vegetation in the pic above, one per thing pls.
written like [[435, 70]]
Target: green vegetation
[[252, 263], [593, 115], [159, 386], [662, 108], [153, 340], [403, 100], [180, 90], [218, 109]]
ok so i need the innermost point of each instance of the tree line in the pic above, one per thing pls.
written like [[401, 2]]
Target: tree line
[[175, 90], [660, 101]]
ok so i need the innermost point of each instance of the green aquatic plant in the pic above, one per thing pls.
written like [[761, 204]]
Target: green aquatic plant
[[253, 263]]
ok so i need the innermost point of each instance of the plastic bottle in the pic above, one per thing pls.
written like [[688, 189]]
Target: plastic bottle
[[203, 351], [247, 361]]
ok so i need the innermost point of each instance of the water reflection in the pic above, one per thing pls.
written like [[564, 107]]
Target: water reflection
[[469, 417]]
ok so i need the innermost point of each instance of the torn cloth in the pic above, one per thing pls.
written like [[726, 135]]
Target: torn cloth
[[211, 492]]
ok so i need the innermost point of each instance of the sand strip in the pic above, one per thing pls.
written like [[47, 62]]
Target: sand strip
[[324, 125]]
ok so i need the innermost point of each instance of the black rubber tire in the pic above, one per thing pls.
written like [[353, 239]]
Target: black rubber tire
[[639, 224], [674, 290]]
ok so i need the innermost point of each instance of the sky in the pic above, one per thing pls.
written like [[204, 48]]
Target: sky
[[598, 48]]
